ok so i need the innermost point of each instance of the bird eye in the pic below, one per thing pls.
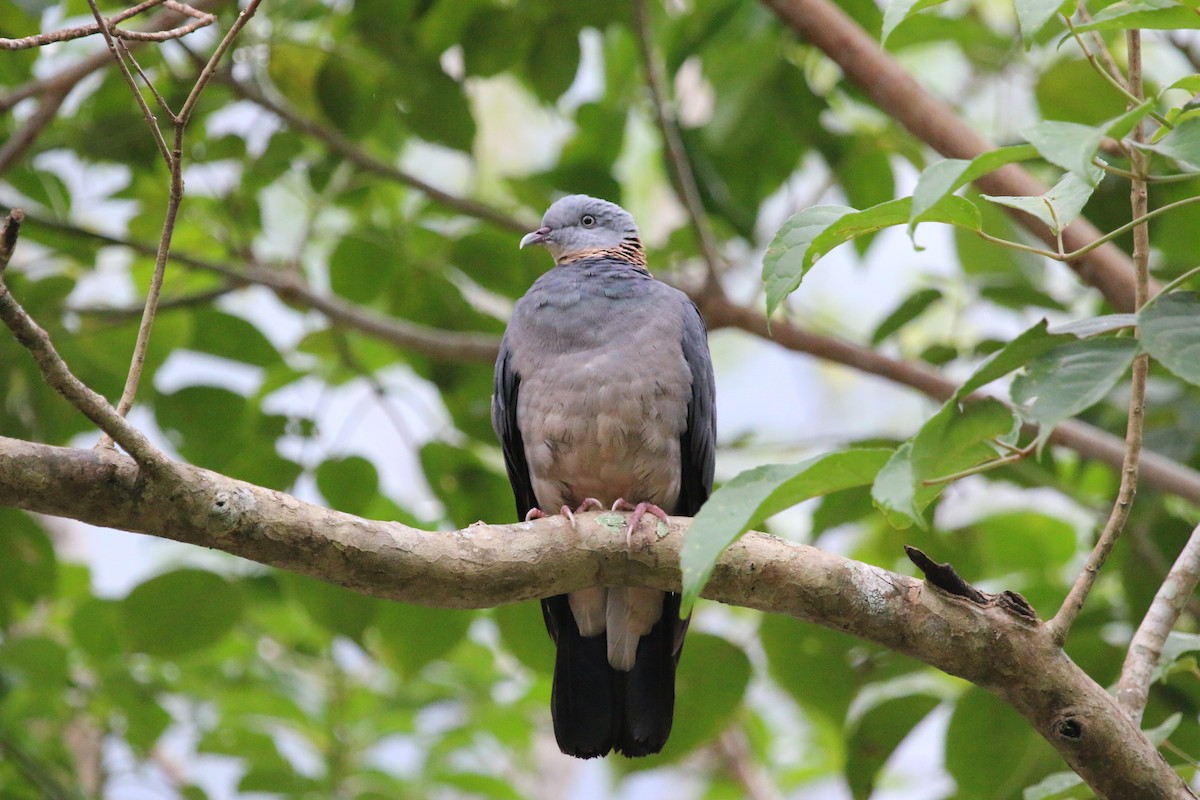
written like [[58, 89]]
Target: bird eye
[[588, 221]]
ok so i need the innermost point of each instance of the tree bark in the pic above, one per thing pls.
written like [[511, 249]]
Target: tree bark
[[485, 565]]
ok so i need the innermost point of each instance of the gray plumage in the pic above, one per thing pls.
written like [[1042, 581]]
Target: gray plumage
[[604, 390]]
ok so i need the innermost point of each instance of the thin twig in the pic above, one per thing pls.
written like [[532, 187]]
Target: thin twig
[[1127, 490], [77, 32], [210, 68], [55, 371], [349, 151], [53, 89], [1001, 461], [1075, 255], [186, 301], [174, 200], [1145, 649], [677, 157], [200, 20], [19, 142], [158, 98], [291, 288], [147, 113]]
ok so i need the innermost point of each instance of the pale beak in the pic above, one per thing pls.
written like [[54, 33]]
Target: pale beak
[[536, 237]]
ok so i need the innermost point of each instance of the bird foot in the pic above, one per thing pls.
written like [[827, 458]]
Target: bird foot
[[587, 504], [639, 511]]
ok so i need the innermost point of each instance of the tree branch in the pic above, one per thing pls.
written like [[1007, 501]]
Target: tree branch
[[201, 18], [677, 157], [1145, 649], [55, 88], [1127, 490], [368, 163], [55, 371], [895, 91], [487, 565]]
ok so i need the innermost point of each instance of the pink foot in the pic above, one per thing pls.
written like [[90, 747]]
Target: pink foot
[[639, 511], [535, 513], [587, 504]]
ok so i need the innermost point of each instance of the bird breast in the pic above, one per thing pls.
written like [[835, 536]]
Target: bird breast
[[605, 422]]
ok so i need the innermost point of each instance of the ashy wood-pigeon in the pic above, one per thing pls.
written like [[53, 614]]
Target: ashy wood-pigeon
[[604, 395]]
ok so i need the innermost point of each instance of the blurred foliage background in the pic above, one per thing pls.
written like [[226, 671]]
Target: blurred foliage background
[[310, 158]]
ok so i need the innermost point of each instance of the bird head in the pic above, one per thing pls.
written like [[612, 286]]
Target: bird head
[[577, 224]]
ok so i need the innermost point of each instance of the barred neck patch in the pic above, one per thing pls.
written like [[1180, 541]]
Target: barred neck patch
[[629, 252]]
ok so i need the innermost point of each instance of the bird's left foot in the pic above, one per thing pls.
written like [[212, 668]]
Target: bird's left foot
[[639, 511]]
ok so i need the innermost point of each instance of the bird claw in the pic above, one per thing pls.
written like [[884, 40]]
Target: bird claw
[[635, 519], [587, 504], [534, 513]]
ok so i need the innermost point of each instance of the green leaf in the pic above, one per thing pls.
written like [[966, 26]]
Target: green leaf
[[785, 261], [1153, 14], [412, 636], [1070, 89], [1073, 146], [28, 566], [899, 10], [755, 495], [232, 337], [813, 232], [910, 309], [991, 752], [1093, 326], [1033, 15], [361, 264], [876, 735], [1161, 732], [954, 439], [334, 608], [1058, 207], [1056, 786], [345, 92], [96, 627], [470, 490], [1070, 379], [704, 706], [944, 177], [1020, 351], [523, 630], [348, 484], [1182, 143], [42, 662], [179, 612]]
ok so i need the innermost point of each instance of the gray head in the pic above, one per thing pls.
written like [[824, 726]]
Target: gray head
[[577, 224]]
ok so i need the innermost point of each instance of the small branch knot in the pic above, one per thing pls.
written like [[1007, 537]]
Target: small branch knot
[[1068, 728]]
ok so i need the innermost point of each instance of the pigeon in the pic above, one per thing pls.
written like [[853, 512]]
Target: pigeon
[[604, 396]]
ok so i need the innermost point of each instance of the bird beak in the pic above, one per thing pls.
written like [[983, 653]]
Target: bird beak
[[536, 237]]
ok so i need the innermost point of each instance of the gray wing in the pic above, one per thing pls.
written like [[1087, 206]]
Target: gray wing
[[504, 422], [698, 445]]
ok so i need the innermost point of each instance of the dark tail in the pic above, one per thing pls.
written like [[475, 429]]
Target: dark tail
[[597, 708]]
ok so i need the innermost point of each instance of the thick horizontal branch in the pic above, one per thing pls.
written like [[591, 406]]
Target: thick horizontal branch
[[865, 63], [486, 565]]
